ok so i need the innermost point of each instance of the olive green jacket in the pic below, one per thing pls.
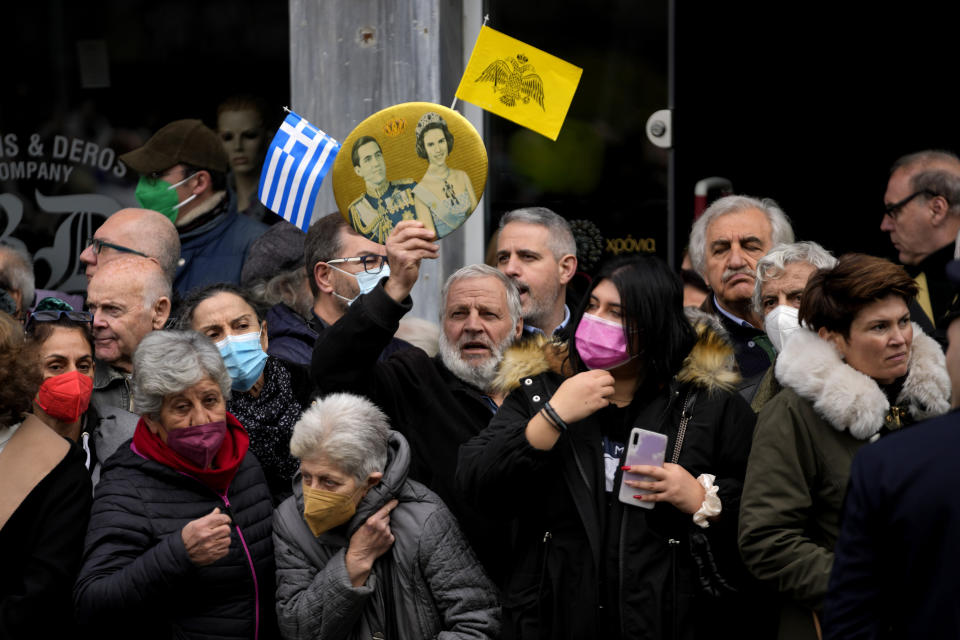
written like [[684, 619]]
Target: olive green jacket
[[803, 446]]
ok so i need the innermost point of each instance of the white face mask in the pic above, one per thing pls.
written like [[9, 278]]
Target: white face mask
[[780, 323]]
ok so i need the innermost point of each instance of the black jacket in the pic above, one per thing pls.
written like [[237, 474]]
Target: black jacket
[[896, 559], [40, 547], [137, 580], [431, 407], [752, 359], [584, 565]]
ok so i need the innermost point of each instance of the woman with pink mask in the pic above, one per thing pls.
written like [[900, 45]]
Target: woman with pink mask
[[179, 543], [586, 565]]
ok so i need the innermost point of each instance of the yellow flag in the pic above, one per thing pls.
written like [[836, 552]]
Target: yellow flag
[[519, 82]]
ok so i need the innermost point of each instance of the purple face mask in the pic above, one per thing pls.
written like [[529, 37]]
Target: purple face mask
[[601, 343], [198, 443]]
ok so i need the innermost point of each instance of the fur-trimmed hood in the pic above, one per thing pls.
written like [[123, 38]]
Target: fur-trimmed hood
[[711, 363], [852, 401]]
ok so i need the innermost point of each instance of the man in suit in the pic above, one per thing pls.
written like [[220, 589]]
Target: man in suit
[[922, 216], [725, 244], [895, 572]]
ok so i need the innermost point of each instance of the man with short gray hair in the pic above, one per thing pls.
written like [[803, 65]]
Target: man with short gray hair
[[725, 244], [922, 216], [436, 403], [128, 297], [537, 250]]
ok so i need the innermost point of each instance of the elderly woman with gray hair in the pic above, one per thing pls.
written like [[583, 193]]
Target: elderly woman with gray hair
[[179, 542], [363, 552], [781, 277]]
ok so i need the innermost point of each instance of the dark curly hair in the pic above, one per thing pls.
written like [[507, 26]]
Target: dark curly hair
[[422, 151], [21, 377]]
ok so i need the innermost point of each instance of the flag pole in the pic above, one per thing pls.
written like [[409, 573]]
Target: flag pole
[[486, 19]]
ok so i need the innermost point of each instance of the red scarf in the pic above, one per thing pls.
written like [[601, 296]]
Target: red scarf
[[224, 466]]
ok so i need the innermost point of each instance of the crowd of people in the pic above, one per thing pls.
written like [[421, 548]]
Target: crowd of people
[[238, 434]]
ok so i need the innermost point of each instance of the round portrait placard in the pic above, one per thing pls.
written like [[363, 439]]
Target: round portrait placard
[[412, 161]]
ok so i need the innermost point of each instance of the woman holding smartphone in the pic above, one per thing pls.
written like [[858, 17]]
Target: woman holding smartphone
[[585, 564]]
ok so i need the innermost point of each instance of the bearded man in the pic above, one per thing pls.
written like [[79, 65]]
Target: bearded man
[[436, 403]]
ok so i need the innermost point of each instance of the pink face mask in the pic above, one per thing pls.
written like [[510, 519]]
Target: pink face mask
[[601, 343], [198, 443]]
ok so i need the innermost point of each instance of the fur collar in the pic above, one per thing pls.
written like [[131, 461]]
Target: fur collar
[[850, 400], [711, 363]]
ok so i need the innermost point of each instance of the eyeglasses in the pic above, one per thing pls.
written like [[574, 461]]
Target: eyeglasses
[[52, 315], [893, 210], [98, 246], [372, 263]]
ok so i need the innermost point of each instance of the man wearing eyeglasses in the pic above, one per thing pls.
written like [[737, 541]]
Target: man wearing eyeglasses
[[183, 176], [341, 265], [922, 216], [138, 232]]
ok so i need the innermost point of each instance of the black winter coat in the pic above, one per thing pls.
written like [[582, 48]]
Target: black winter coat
[[434, 410], [137, 580], [570, 532]]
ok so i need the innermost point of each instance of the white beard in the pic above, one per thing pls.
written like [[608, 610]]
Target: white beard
[[481, 375]]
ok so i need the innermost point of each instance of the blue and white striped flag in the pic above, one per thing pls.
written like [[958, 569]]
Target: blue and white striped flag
[[297, 160]]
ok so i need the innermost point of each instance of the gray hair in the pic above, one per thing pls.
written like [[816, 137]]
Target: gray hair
[[324, 242], [772, 265], [285, 287], [934, 174], [781, 231], [348, 431], [18, 273], [156, 285], [168, 362], [484, 271], [561, 240]]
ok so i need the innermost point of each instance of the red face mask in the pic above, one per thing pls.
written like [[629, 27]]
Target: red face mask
[[65, 397]]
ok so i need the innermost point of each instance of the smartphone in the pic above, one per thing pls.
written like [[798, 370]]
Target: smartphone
[[644, 447]]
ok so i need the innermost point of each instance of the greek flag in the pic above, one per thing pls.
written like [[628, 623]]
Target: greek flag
[[297, 160]]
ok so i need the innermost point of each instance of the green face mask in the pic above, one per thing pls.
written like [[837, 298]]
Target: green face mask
[[161, 196]]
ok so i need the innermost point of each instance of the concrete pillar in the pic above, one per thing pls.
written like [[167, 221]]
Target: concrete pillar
[[352, 58]]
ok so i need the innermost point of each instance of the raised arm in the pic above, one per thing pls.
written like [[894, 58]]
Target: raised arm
[[346, 353]]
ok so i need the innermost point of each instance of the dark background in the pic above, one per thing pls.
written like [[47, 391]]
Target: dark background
[[806, 103]]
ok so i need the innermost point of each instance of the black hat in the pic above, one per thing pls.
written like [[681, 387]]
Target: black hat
[[182, 141], [279, 249]]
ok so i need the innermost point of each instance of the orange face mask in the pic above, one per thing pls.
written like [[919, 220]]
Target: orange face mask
[[323, 510]]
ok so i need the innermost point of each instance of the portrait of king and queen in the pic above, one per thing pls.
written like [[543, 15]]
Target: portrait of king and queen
[[443, 187]]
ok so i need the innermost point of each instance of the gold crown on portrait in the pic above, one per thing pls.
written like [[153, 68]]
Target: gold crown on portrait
[[394, 127], [430, 117]]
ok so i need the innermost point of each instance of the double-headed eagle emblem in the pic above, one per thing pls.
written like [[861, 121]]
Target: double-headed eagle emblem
[[518, 83]]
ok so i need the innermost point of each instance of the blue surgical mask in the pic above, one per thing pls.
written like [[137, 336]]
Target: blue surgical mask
[[366, 281], [245, 359]]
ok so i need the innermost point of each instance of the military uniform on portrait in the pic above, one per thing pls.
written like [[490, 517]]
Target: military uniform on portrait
[[375, 218]]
